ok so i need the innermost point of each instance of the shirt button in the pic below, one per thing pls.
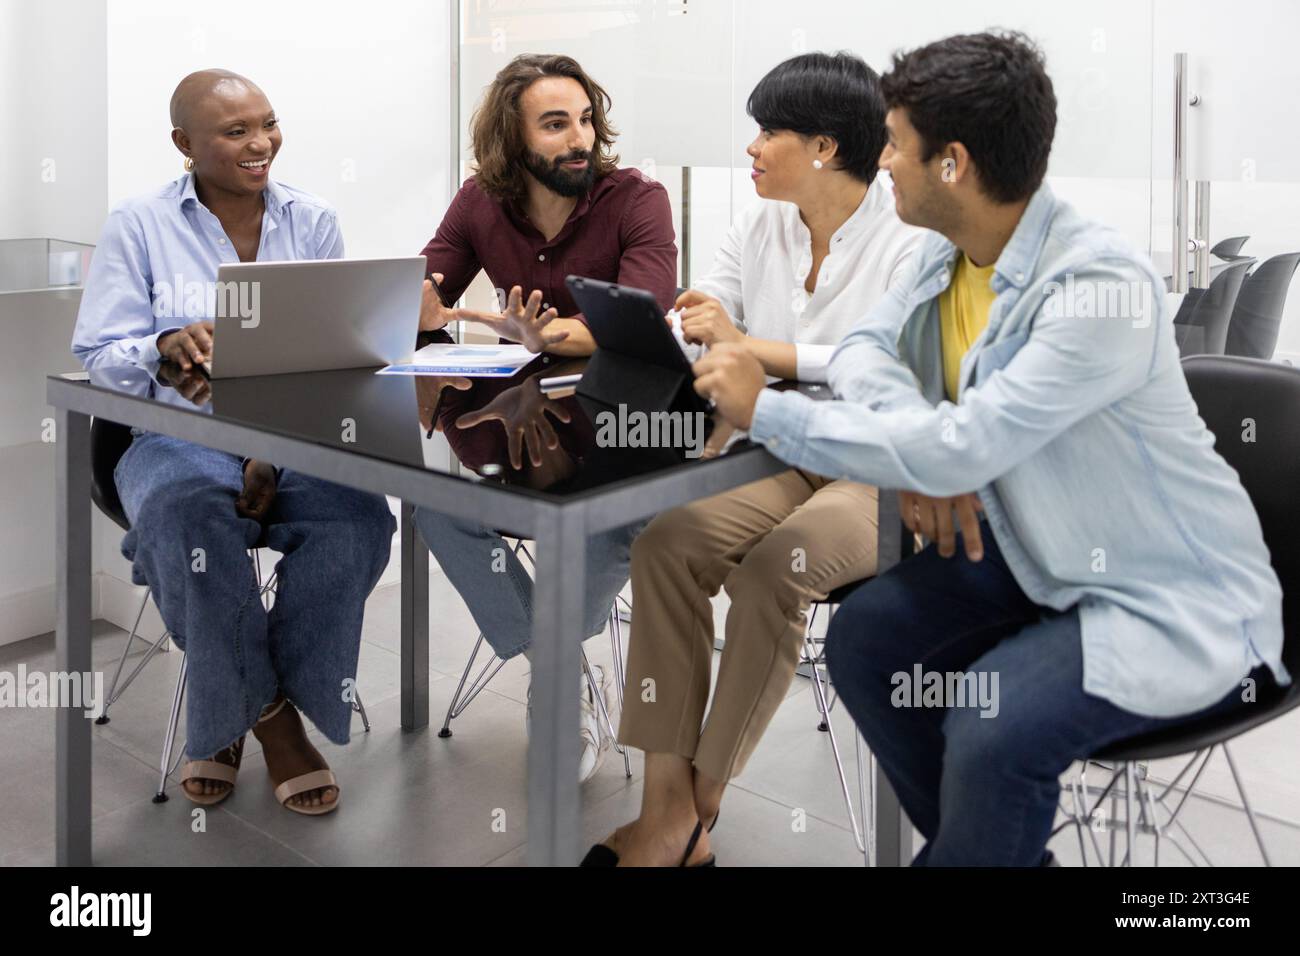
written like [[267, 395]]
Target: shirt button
[[221, 242], [541, 257], [1020, 277]]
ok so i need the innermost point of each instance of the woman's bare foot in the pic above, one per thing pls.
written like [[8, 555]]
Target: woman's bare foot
[[290, 754], [203, 787], [662, 842], [618, 838]]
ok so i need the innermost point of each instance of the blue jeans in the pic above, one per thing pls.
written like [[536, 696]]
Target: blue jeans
[[191, 547], [498, 591], [983, 790]]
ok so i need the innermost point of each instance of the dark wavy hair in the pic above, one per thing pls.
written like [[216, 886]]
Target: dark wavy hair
[[496, 131], [991, 93], [823, 94]]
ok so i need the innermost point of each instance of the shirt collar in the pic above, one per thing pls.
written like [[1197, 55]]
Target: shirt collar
[[276, 196], [861, 218], [1020, 255]]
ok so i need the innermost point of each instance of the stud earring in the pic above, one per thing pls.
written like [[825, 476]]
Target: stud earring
[[817, 164], [189, 164]]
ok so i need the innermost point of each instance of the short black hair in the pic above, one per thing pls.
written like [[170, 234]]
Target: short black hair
[[991, 93], [823, 94]]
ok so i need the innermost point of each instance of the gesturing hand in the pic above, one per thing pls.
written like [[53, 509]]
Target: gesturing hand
[[520, 321], [932, 517]]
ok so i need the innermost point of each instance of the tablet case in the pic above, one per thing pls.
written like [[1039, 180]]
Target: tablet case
[[638, 362]]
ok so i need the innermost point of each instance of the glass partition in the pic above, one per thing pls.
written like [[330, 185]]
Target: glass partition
[[28, 265], [679, 73]]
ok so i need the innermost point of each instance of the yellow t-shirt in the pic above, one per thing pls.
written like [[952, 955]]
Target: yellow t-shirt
[[963, 313]]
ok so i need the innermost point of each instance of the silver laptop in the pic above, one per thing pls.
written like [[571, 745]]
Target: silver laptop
[[315, 315]]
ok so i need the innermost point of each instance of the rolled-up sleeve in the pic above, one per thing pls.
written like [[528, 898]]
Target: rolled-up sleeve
[[115, 323]]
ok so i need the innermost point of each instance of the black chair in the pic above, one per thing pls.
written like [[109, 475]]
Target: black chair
[[1227, 390], [1257, 314], [1228, 248], [1201, 325], [108, 443]]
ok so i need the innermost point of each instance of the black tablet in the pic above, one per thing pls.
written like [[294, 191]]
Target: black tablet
[[628, 321]]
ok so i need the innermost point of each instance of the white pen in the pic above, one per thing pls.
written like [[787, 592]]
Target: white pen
[[559, 381]]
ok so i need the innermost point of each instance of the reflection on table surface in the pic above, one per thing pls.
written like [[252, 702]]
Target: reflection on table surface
[[505, 430]]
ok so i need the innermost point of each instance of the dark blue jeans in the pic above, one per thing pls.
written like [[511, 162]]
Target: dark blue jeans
[[979, 776], [191, 547]]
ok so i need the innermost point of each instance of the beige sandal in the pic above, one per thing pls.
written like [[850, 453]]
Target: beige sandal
[[316, 780], [312, 780], [212, 770]]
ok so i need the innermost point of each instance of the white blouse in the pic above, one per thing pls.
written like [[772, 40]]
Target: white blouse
[[758, 274]]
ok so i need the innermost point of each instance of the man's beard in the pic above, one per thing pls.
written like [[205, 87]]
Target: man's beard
[[556, 178]]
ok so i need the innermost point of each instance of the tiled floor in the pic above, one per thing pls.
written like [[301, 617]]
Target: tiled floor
[[419, 799]]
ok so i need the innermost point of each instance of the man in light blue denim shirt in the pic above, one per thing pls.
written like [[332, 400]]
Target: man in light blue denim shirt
[[1119, 581], [194, 512]]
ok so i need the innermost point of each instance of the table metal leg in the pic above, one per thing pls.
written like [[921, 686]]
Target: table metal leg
[[559, 598], [72, 635], [415, 624], [893, 829]]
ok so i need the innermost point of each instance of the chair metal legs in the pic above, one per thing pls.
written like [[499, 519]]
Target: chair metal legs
[[169, 739], [1245, 805], [459, 703], [463, 697], [113, 692], [1141, 813], [822, 696]]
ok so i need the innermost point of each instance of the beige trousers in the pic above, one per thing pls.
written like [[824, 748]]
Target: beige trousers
[[776, 545]]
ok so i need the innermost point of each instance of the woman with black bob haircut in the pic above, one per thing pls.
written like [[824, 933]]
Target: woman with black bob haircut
[[824, 94], [799, 268]]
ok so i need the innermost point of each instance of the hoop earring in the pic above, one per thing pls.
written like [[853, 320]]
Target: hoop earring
[[189, 164], [817, 164]]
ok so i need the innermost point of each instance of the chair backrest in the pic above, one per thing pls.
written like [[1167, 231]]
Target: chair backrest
[[108, 443], [1228, 248], [1257, 313], [1229, 390], [1206, 329]]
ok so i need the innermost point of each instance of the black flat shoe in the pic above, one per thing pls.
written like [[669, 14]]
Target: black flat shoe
[[600, 855]]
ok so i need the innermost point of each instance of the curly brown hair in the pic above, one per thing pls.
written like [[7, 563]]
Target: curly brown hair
[[496, 131]]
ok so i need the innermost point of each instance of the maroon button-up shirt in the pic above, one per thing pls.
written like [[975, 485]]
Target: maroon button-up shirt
[[621, 231]]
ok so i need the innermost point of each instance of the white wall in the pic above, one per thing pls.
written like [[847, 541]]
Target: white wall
[[363, 94], [679, 75], [52, 122]]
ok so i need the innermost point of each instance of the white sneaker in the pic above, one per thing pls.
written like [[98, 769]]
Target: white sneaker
[[595, 743]]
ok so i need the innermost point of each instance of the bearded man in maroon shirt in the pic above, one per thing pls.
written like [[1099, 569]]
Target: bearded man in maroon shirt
[[547, 200]]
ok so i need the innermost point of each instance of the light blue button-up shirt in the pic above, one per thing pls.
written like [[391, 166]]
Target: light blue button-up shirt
[[155, 267], [1076, 427]]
